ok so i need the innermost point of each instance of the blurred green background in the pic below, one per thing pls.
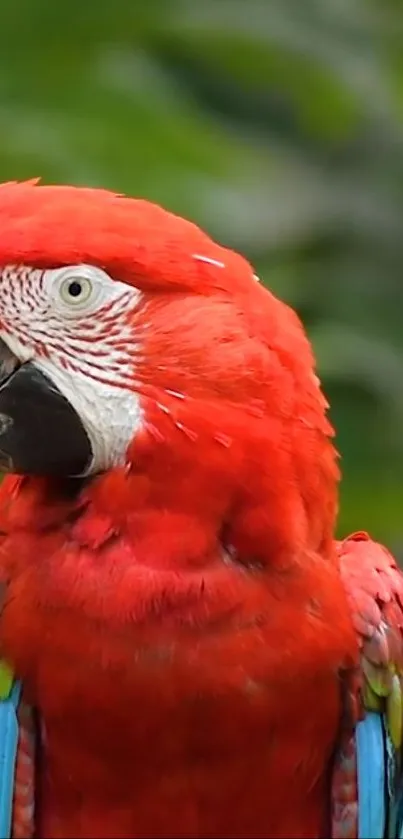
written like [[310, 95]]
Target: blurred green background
[[275, 124]]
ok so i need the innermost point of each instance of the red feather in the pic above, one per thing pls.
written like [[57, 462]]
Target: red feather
[[181, 623]]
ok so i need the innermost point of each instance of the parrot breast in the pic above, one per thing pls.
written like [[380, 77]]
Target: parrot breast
[[194, 701]]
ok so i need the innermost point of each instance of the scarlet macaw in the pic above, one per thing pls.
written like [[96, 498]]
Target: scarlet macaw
[[198, 656]]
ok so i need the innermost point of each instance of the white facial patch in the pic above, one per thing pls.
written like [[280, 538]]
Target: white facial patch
[[75, 324], [110, 415]]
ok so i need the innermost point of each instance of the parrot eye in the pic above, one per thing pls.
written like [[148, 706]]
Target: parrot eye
[[75, 291], [78, 289]]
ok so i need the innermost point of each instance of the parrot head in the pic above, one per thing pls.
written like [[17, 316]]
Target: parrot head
[[131, 343]]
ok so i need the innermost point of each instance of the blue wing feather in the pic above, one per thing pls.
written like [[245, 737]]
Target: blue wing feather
[[8, 754], [371, 777]]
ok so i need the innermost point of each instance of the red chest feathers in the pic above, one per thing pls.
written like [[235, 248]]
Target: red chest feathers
[[193, 704]]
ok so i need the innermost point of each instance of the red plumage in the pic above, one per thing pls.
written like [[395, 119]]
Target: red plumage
[[181, 622]]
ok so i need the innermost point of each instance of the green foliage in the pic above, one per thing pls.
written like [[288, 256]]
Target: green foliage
[[277, 125]]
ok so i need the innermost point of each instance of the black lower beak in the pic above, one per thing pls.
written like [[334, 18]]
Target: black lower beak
[[40, 432]]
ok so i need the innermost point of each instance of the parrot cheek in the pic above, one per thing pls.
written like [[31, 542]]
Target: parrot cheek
[[40, 432]]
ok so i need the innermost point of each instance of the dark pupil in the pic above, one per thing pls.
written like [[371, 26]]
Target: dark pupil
[[75, 288]]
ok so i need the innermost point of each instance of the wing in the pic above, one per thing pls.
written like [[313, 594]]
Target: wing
[[17, 734], [368, 781]]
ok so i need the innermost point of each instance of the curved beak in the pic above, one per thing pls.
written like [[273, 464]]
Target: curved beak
[[40, 432]]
